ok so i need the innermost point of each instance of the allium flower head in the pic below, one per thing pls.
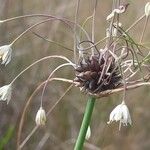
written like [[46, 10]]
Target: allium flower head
[[147, 9], [40, 117], [5, 93], [88, 74], [5, 54], [120, 113]]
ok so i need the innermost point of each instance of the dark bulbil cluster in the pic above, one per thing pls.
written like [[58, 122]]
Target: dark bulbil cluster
[[89, 75]]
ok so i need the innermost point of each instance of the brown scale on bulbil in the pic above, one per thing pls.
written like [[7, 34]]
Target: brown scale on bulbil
[[88, 75]]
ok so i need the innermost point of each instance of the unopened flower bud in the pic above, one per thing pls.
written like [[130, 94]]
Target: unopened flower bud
[[147, 9], [40, 117]]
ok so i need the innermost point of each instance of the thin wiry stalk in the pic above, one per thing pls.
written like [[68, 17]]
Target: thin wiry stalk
[[128, 87], [144, 29], [43, 15], [83, 25], [135, 23], [93, 45], [26, 16], [44, 58], [23, 33], [93, 25], [21, 123], [75, 31], [53, 42], [52, 73]]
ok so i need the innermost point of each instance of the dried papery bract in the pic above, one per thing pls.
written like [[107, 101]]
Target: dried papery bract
[[88, 133], [5, 54]]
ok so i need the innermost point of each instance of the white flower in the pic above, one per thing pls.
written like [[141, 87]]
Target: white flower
[[5, 93], [88, 133], [147, 9], [5, 54], [1, 21], [120, 113], [40, 117]]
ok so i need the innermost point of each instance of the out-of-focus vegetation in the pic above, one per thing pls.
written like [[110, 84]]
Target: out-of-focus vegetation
[[63, 123]]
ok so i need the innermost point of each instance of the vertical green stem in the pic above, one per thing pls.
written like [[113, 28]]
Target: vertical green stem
[[85, 123]]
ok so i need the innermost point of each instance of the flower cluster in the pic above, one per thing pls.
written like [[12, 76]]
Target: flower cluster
[[99, 70]]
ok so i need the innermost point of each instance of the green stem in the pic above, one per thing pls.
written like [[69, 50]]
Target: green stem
[[85, 123]]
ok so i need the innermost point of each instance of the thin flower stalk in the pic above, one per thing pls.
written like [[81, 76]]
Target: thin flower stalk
[[27, 30], [44, 58], [144, 29], [21, 145], [56, 69]]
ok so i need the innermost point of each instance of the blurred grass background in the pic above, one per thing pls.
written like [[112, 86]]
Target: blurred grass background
[[64, 122]]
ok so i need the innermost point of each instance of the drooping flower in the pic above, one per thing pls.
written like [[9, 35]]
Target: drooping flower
[[40, 117], [5, 54], [147, 9], [88, 133], [5, 93], [120, 113]]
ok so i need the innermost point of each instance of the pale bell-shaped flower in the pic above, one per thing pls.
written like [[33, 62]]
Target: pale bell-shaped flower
[[5, 93], [147, 9], [40, 118], [5, 54], [88, 133], [120, 113]]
